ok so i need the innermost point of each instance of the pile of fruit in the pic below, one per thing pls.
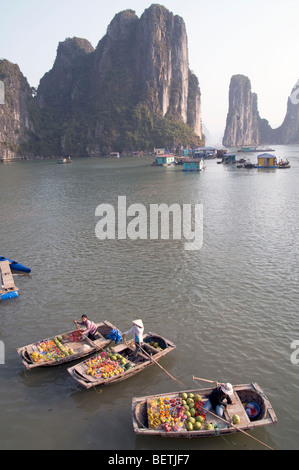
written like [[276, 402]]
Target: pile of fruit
[[166, 413], [155, 345], [171, 414], [50, 350], [193, 405], [106, 365]]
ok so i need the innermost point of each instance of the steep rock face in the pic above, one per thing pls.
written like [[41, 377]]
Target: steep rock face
[[16, 124], [242, 122], [113, 95], [163, 61], [60, 82], [288, 132], [133, 91], [244, 126]]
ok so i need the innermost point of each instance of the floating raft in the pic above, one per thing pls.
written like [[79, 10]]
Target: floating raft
[[8, 289], [15, 266]]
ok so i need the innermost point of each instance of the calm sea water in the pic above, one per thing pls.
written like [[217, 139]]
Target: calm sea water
[[231, 307]]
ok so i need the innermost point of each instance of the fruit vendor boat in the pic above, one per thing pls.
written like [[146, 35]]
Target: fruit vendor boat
[[119, 363], [65, 347], [15, 266], [167, 415]]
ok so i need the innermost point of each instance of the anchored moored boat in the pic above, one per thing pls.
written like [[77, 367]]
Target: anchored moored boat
[[284, 164], [121, 362], [65, 347], [164, 414]]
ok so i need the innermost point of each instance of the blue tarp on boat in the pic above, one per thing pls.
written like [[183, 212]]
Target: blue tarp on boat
[[115, 335]]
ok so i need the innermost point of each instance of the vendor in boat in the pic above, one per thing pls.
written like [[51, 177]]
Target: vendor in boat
[[90, 327], [137, 330], [219, 398]]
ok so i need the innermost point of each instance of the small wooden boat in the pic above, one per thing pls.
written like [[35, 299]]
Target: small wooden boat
[[120, 362], [249, 165], [284, 164], [64, 347], [65, 160], [164, 414], [15, 266]]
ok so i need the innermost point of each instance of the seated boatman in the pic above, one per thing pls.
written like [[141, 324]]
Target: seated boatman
[[217, 397]]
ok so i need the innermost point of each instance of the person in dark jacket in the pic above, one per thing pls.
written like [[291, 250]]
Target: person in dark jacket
[[219, 398]]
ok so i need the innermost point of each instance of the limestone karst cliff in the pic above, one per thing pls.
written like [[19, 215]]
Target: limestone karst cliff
[[134, 90], [16, 124], [244, 126], [242, 119]]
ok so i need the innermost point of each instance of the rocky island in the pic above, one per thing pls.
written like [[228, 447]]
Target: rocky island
[[134, 91], [244, 126]]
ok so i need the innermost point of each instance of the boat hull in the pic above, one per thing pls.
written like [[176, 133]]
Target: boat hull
[[79, 372]]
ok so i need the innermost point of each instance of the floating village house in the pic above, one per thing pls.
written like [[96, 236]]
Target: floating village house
[[229, 158], [204, 152], [193, 164], [266, 160], [165, 160]]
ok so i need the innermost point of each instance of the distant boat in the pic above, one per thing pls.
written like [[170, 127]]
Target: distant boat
[[284, 164], [248, 149], [249, 165], [15, 266], [65, 160], [254, 148]]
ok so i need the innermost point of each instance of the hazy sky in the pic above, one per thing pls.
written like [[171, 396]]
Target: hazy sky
[[256, 38]]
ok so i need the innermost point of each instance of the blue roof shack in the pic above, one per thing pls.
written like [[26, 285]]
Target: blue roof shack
[[266, 160]]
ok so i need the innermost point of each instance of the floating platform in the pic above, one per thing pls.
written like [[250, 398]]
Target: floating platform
[[15, 266], [8, 290]]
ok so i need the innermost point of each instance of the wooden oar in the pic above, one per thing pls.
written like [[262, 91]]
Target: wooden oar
[[206, 380], [241, 430], [171, 376]]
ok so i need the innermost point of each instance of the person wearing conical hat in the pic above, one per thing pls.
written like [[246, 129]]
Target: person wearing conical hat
[[137, 330], [219, 398]]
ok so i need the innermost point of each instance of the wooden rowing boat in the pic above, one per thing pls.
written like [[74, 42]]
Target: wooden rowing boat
[[64, 347], [172, 422], [120, 362]]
